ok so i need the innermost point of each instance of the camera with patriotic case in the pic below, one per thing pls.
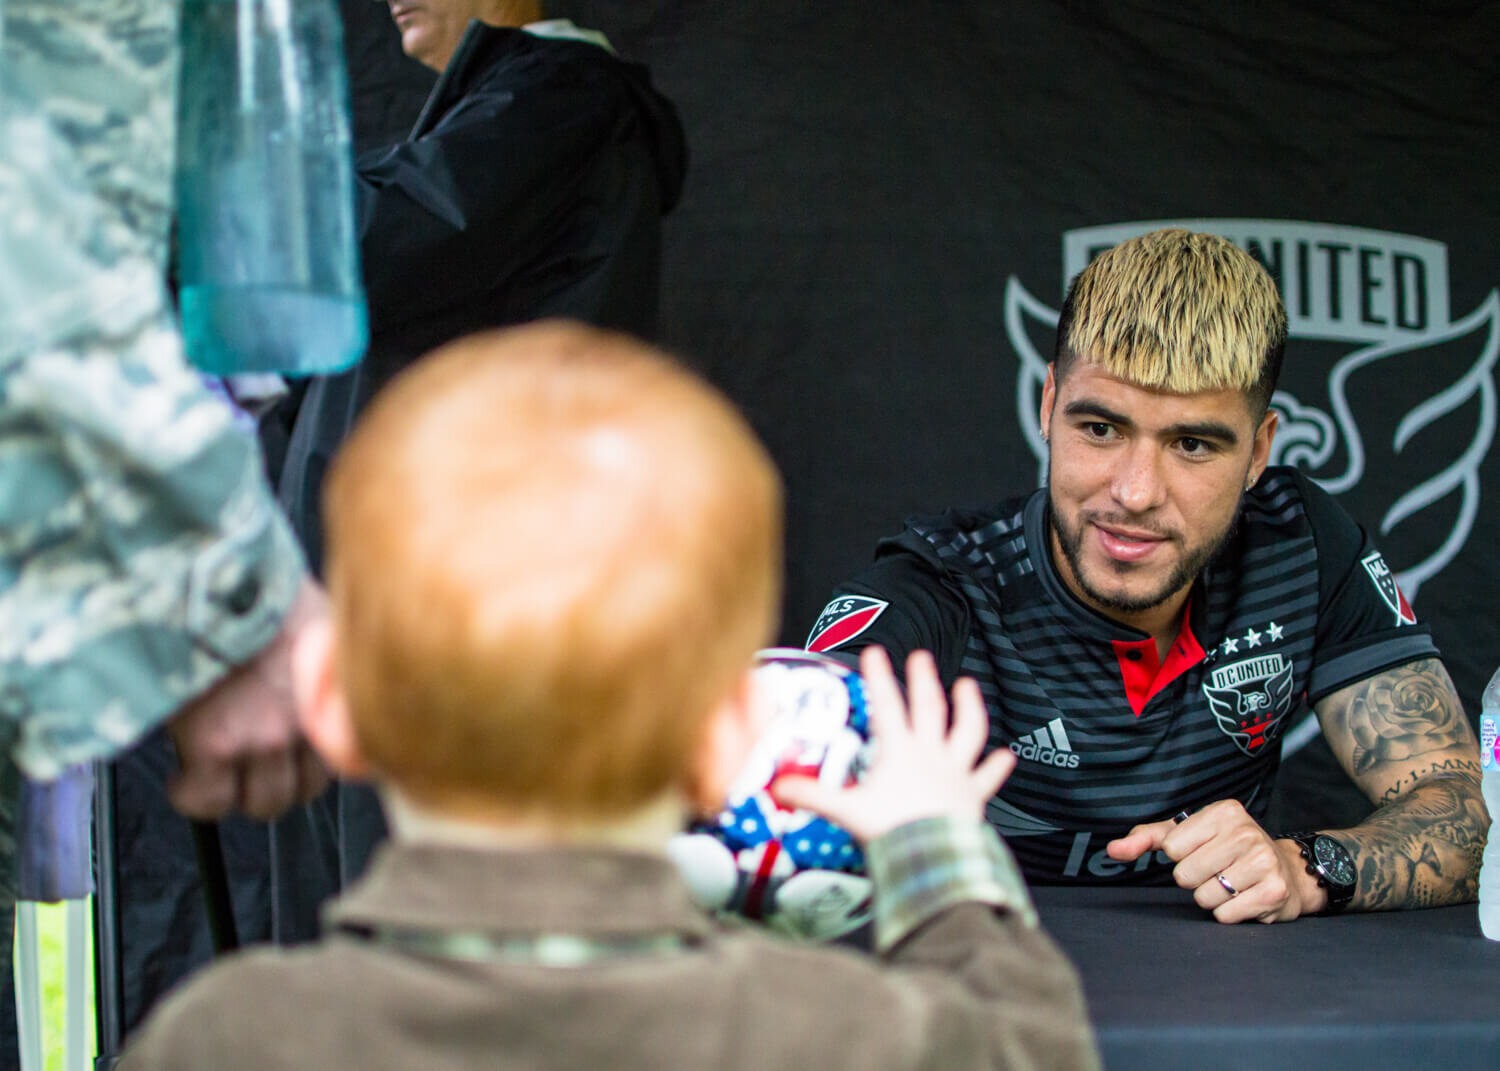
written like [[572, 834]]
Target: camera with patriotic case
[[793, 870]]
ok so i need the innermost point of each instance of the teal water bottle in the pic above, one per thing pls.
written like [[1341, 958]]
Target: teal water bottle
[[268, 259]]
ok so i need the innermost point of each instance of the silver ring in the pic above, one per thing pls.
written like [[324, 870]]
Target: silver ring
[[1224, 884]]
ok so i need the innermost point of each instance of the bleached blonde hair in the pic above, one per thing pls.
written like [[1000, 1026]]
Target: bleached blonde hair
[[552, 551], [1177, 311]]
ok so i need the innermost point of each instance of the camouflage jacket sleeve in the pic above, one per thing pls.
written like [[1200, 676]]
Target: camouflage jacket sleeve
[[141, 553]]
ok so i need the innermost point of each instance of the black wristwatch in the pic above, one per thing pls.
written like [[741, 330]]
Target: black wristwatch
[[1329, 862]]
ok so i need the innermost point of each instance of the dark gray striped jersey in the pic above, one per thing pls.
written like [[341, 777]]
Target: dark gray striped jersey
[[1297, 605]]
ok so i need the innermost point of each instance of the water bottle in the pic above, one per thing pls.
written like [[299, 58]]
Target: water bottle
[[268, 258], [1489, 770]]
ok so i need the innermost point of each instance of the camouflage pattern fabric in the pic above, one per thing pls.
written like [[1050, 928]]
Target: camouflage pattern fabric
[[141, 552]]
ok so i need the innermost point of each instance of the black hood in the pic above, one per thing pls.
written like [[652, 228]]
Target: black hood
[[529, 58]]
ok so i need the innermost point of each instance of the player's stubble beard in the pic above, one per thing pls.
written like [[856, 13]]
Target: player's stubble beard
[[1189, 565]]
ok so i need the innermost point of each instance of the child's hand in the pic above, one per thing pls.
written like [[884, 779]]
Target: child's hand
[[922, 768]]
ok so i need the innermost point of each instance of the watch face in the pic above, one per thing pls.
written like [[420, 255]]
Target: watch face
[[1334, 860]]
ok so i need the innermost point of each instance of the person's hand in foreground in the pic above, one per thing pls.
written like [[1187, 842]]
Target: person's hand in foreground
[[922, 767], [238, 744], [1230, 864]]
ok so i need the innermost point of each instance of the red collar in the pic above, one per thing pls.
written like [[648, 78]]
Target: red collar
[[1144, 673]]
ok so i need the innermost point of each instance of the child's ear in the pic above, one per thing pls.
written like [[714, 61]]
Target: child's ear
[[322, 709], [728, 736]]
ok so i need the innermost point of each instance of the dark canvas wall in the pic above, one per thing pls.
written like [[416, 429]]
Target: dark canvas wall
[[870, 182]]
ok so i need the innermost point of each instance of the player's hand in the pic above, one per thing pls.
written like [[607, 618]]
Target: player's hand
[[923, 767], [238, 744], [1232, 866]]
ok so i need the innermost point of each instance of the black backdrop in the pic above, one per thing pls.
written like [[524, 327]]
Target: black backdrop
[[883, 205]]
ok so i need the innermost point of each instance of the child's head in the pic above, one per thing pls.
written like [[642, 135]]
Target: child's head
[[551, 551]]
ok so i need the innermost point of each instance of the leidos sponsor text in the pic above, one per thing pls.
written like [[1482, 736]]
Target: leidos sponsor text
[[1100, 865]]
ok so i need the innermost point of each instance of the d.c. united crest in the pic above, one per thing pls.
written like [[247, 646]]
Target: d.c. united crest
[[1250, 698]]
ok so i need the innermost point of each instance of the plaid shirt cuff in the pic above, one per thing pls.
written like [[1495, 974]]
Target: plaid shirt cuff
[[927, 866]]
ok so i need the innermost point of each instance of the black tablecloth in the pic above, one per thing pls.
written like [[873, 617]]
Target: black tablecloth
[[1168, 987]]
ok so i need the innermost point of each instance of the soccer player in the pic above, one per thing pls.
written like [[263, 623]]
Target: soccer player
[[1144, 626], [552, 555]]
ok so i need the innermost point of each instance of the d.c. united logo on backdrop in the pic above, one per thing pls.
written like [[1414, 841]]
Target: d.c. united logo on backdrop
[[1374, 365]]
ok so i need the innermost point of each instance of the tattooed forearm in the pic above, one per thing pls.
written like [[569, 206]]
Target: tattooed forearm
[[1404, 738], [1422, 849]]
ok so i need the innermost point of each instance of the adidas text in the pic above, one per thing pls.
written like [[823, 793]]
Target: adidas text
[[1046, 755]]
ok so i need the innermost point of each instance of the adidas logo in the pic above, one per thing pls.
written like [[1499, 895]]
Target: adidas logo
[[1048, 745]]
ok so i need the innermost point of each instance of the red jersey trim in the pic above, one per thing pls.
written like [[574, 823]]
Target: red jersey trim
[[1145, 674]]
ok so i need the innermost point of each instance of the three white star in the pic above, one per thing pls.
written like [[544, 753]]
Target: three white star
[[1252, 638]]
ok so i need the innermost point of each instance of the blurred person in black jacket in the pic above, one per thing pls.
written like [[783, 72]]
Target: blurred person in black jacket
[[532, 185]]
